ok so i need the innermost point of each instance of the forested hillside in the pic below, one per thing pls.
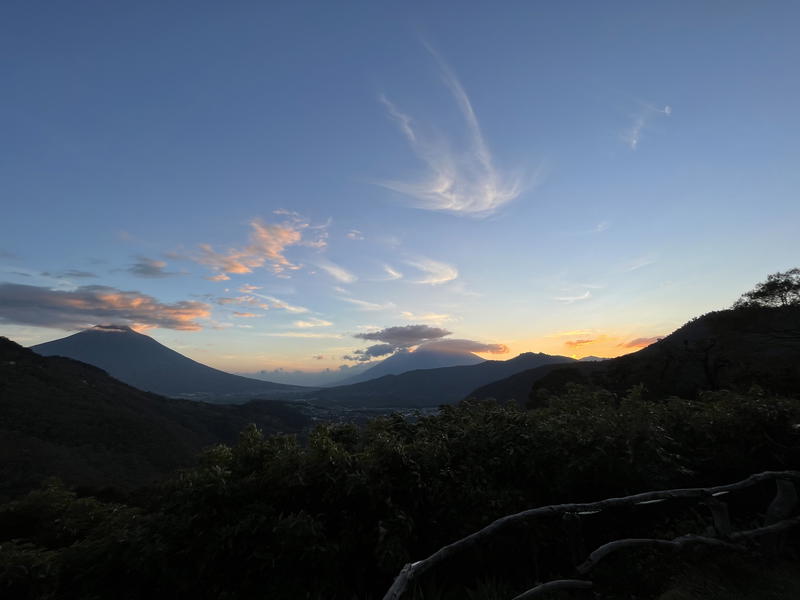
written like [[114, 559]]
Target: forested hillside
[[60, 417]]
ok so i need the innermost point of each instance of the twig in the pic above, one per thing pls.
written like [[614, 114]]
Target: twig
[[554, 586], [684, 540], [411, 571], [677, 543]]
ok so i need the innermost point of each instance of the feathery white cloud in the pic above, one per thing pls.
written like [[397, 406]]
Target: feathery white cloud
[[338, 272], [633, 135], [462, 182], [304, 334], [312, 322], [392, 273], [435, 272], [365, 305], [571, 299]]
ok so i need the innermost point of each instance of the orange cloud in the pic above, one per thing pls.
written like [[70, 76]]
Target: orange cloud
[[578, 343], [93, 305], [266, 248], [640, 342], [246, 315]]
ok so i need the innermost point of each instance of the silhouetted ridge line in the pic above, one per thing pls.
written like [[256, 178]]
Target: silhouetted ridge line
[[144, 363]]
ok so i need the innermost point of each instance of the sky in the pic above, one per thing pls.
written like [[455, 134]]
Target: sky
[[257, 184]]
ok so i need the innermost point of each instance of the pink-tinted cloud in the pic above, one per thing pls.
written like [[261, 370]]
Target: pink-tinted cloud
[[640, 342], [578, 343], [93, 305], [456, 345], [266, 249]]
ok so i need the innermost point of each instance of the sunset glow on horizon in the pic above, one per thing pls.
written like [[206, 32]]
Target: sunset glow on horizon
[[258, 187]]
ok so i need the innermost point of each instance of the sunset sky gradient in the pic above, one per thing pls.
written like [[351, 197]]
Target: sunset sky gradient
[[255, 184]]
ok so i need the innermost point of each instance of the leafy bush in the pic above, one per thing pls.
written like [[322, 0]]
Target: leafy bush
[[337, 517]]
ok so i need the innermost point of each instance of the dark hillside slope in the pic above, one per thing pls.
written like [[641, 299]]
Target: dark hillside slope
[[60, 417], [432, 387], [730, 349], [142, 362], [518, 386]]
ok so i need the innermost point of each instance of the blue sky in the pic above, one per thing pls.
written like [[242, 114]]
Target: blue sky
[[554, 177]]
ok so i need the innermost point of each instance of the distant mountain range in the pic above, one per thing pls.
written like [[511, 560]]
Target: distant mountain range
[[142, 362], [432, 387], [326, 377], [421, 358], [60, 417], [730, 349]]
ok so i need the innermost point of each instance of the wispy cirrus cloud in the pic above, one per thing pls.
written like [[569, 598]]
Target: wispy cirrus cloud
[[572, 299], [312, 322], [366, 305], [95, 304], [391, 273], [426, 317], [633, 135], [261, 301], [463, 181], [304, 335], [338, 272], [638, 263], [245, 300], [282, 304], [434, 271]]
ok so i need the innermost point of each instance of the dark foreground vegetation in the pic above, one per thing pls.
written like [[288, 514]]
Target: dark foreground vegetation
[[338, 517]]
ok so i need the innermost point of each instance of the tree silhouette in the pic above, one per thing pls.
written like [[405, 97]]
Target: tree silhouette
[[780, 289]]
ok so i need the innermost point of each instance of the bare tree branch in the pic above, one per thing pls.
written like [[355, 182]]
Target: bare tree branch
[[554, 586], [677, 543], [411, 571]]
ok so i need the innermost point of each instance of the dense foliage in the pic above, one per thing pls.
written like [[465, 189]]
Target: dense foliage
[[779, 289], [338, 516], [66, 418]]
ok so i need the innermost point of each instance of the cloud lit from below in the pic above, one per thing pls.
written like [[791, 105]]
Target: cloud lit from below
[[641, 342], [461, 346], [95, 304]]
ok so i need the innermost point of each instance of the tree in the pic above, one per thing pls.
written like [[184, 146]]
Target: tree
[[780, 289]]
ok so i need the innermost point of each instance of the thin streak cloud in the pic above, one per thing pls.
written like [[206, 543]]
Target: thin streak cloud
[[572, 299], [462, 182], [633, 135], [391, 273], [338, 272], [435, 272], [365, 305]]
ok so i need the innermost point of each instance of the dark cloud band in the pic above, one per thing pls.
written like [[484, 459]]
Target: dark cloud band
[[94, 304]]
